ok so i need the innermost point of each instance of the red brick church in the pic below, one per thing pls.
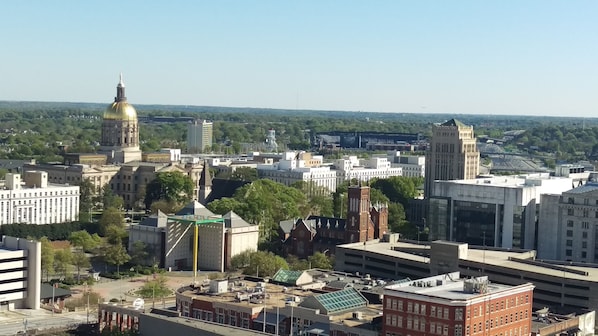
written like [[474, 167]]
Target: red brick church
[[304, 237]]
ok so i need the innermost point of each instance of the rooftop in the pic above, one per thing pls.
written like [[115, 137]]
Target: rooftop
[[588, 187], [335, 302], [509, 258], [453, 122], [286, 276], [517, 181], [450, 287]]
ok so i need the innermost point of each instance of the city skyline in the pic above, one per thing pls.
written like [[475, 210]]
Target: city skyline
[[466, 57]]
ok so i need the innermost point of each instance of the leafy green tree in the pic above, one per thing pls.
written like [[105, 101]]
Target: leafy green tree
[[264, 203], [139, 253], [319, 260], [398, 189], [297, 264], [110, 217], [62, 261], [80, 260], [155, 289], [116, 255], [169, 186], [115, 234], [244, 174], [319, 199], [377, 197], [241, 260], [167, 207], [47, 259], [86, 199], [224, 205], [265, 264], [111, 200], [397, 221], [83, 240]]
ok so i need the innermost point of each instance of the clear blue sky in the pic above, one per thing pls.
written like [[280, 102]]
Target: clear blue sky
[[484, 57]]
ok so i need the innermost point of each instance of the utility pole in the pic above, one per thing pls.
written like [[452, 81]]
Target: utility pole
[[53, 287], [87, 293]]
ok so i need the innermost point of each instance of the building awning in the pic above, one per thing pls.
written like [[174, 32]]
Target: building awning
[[46, 292]]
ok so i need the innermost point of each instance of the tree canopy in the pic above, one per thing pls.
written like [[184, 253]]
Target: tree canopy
[[265, 203], [264, 264], [171, 187]]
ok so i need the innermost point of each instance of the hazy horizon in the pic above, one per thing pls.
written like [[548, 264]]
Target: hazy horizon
[[533, 58]]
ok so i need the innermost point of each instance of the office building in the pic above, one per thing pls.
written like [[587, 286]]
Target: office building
[[569, 225], [299, 167], [282, 308], [499, 211], [351, 168], [20, 273], [32, 200], [452, 154], [199, 136], [449, 305], [411, 165]]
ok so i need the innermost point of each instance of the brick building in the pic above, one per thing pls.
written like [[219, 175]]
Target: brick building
[[449, 306], [284, 309], [303, 237]]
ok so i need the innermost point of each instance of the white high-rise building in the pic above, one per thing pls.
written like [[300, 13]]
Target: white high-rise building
[[20, 273], [199, 136], [34, 201]]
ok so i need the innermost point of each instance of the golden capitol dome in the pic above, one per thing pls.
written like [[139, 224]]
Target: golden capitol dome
[[120, 109]]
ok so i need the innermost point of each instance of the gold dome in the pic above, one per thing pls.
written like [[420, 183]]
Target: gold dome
[[120, 110]]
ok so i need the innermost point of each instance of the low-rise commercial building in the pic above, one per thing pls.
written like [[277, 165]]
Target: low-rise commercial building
[[284, 309], [448, 305]]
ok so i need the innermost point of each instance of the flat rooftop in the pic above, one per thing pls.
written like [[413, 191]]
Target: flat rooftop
[[280, 296], [517, 181], [212, 327], [500, 258], [449, 287]]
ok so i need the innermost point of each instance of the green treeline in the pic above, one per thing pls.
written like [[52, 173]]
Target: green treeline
[[42, 130]]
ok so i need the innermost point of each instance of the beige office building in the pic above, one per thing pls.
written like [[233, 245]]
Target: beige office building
[[452, 154], [199, 136]]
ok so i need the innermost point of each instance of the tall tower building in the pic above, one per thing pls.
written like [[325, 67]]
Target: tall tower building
[[359, 226], [452, 154], [199, 136], [120, 130]]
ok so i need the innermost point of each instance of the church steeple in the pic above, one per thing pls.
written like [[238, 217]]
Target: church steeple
[[205, 183], [120, 90]]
